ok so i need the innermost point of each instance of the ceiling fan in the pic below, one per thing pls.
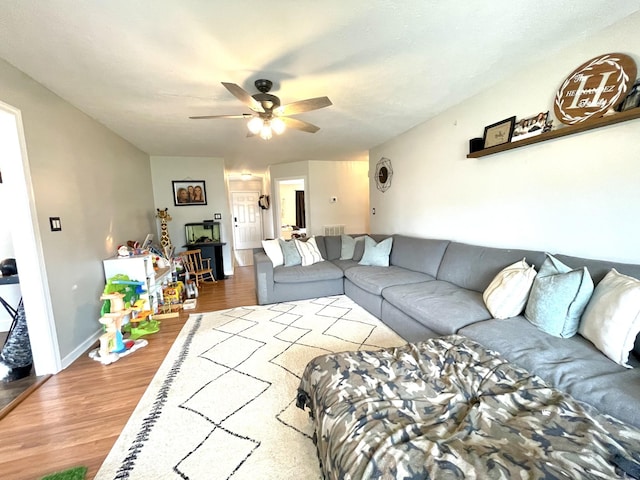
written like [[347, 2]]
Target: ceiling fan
[[268, 114]]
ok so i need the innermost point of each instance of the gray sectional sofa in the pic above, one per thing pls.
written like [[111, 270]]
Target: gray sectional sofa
[[434, 287]]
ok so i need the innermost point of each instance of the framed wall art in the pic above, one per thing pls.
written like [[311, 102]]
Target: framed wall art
[[189, 192], [531, 126], [499, 133]]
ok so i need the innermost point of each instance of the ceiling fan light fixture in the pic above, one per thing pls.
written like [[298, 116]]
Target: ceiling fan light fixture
[[265, 132], [278, 126], [255, 125]]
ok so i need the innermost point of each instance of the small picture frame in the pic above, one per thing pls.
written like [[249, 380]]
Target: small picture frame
[[498, 133], [217, 216], [189, 193], [633, 99], [148, 240], [531, 126]]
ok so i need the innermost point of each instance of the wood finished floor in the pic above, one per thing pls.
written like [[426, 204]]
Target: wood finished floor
[[12, 393], [75, 417]]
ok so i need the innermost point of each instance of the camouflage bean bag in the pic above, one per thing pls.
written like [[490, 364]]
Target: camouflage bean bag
[[448, 408]]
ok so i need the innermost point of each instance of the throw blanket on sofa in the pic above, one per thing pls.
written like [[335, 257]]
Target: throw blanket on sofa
[[449, 408]]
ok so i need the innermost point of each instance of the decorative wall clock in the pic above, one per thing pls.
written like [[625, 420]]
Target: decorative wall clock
[[384, 172]]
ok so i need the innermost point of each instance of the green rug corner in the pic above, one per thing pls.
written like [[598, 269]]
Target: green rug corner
[[77, 473]]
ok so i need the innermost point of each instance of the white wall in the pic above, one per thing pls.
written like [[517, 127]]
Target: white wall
[[166, 169], [100, 187], [577, 195], [348, 182]]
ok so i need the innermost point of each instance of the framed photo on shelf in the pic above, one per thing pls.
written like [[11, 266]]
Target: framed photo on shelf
[[189, 192], [633, 99], [148, 240], [498, 133], [530, 126]]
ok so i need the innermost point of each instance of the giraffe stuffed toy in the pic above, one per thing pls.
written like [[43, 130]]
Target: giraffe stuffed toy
[[165, 241]]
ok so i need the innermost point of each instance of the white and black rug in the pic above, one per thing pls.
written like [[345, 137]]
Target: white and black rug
[[222, 404]]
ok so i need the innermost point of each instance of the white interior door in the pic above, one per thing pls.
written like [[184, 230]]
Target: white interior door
[[247, 220]]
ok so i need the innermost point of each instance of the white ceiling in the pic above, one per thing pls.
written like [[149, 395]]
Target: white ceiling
[[142, 67]]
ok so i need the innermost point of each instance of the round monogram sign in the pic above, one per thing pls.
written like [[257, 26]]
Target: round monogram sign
[[595, 87]]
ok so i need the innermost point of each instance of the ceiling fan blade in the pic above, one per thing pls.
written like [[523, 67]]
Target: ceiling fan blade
[[243, 96], [303, 106], [244, 115], [299, 125]]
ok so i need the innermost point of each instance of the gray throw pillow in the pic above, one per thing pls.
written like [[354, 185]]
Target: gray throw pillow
[[348, 247], [290, 253], [376, 254], [558, 297]]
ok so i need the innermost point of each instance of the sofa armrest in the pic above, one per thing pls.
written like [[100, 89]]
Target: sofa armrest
[[263, 270]]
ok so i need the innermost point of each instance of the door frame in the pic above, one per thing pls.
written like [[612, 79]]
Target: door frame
[[27, 245]]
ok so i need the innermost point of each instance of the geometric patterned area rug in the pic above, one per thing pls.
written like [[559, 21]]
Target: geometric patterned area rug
[[222, 404]]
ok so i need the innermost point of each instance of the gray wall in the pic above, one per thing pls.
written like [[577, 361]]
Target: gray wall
[[100, 187], [209, 169]]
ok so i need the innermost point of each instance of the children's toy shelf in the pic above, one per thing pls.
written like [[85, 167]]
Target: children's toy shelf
[[140, 268]]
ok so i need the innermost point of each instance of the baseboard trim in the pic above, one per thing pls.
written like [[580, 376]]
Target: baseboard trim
[[81, 349]]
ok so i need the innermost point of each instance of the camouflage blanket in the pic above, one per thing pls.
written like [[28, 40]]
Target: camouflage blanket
[[448, 408]]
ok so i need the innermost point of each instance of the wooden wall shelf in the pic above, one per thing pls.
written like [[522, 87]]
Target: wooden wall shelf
[[561, 132]]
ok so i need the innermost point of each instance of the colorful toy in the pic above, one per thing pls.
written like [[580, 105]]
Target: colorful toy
[[120, 305]]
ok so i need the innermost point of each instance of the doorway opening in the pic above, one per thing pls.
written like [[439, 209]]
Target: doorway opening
[[291, 214], [247, 219], [26, 242]]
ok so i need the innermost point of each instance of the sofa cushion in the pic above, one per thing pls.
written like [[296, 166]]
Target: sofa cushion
[[376, 253], [358, 250], [419, 254], [507, 294], [611, 320], [376, 279], [570, 364], [345, 264], [441, 306], [474, 267], [311, 273], [599, 268], [558, 298], [333, 246], [290, 253]]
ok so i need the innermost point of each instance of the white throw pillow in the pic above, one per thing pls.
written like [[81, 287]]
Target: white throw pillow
[[274, 251], [611, 320], [507, 294], [309, 252]]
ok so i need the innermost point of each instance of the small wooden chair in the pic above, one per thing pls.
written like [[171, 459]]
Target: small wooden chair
[[197, 267]]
